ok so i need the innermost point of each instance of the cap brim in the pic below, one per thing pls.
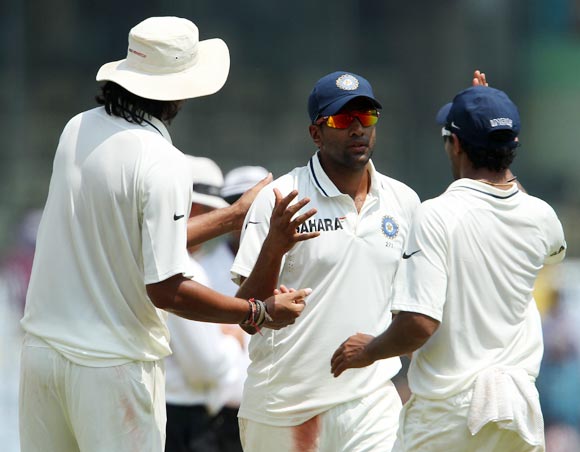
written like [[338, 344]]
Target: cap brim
[[442, 114], [336, 106], [208, 200], [206, 77]]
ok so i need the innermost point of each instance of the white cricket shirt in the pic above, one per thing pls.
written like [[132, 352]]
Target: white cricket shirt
[[475, 252], [114, 221], [350, 268]]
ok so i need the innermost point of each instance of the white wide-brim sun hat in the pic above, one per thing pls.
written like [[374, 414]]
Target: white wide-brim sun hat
[[167, 61]]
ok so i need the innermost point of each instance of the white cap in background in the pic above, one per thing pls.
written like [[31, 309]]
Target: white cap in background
[[240, 179], [207, 180]]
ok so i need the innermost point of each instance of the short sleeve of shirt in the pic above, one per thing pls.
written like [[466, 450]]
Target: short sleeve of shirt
[[555, 239], [421, 280], [165, 207], [254, 231]]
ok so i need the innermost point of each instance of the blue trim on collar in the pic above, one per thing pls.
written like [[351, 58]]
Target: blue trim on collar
[[315, 178], [490, 194]]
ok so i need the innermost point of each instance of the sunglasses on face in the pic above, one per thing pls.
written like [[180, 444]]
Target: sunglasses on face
[[367, 118]]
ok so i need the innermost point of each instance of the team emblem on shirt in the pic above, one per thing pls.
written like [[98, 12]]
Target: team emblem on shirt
[[347, 82], [389, 227]]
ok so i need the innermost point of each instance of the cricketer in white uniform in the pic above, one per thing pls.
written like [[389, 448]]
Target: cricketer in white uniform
[[111, 253], [290, 400], [468, 276]]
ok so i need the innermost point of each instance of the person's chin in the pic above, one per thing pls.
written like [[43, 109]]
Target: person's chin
[[361, 155]]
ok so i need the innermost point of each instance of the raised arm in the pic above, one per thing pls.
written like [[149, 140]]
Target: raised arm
[[191, 300], [480, 79], [202, 228], [282, 236]]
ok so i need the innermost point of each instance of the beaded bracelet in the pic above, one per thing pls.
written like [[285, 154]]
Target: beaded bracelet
[[257, 314]]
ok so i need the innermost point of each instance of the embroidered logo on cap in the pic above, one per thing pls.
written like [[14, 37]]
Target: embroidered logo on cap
[[347, 82], [501, 122]]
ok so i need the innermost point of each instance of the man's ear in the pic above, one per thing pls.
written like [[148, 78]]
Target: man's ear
[[315, 134], [456, 145]]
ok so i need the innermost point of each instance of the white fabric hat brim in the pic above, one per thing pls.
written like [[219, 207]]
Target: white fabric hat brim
[[206, 77], [208, 200]]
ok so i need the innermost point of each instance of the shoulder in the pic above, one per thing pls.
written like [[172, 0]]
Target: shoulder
[[81, 119], [287, 181], [539, 207], [162, 168], [166, 165], [398, 188], [432, 214], [396, 192], [293, 178], [535, 202], [285, 184]]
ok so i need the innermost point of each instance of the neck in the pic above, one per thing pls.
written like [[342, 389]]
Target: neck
[[352, 182], [495, 178]]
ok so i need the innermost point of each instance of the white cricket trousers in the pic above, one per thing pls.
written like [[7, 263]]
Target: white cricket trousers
[[441, 426], [65, 407], [362, 425]]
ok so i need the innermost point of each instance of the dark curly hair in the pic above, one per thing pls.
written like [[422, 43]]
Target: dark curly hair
[[120, 102], [499, 157]]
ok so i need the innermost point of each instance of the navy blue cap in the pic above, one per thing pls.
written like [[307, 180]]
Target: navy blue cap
[[478, 111], [333, 91]]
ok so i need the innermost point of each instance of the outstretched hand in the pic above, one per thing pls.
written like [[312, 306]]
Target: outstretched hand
[[285, 306], [283, 226], [352, 353], [479, 78]]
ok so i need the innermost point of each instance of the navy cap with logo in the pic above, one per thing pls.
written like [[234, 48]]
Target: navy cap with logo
[[335, 90], [477, 112]]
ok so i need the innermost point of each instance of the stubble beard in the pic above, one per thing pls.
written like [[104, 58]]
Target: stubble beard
[[357, 162]]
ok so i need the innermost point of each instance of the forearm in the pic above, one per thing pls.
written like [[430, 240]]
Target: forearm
[[264, 277], [391, 343], [407, 333], [207, 226], [188, 299]]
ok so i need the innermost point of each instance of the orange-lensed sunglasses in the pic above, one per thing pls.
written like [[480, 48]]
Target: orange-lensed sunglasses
[[344, 120]]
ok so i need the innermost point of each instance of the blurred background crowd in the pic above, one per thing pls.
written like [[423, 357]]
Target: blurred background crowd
[[417, 55]]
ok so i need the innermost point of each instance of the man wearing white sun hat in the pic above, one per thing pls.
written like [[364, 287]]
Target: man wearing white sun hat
[[111, 255]]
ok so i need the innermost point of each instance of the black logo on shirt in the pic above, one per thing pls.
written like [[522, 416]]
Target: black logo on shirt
[[562, 248], [177, 217], [249, 223], [407, 256], [320, 224]]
